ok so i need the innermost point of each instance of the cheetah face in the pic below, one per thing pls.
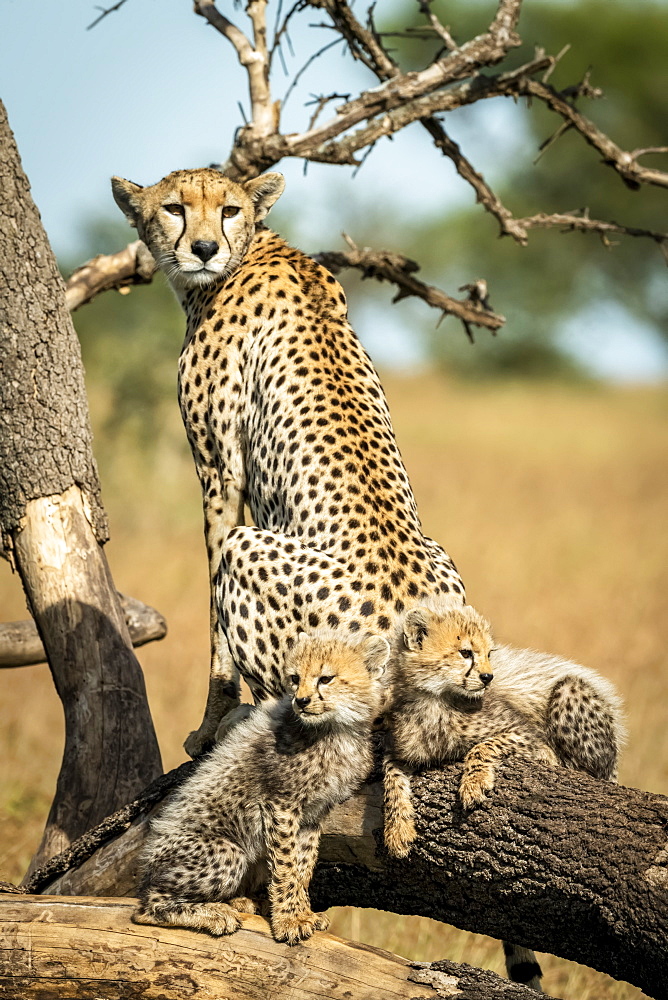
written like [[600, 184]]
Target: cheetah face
[[446, 652], [198, 224], [336, 679]]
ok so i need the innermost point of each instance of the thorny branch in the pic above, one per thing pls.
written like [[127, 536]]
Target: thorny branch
[[457, 76]]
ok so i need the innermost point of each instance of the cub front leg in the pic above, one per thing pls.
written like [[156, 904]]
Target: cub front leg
[[479, 763], [399, 822], [292, 854]]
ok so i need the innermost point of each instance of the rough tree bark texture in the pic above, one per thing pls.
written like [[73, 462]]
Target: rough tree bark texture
[[86, 948], [53, 524], [554, 860]]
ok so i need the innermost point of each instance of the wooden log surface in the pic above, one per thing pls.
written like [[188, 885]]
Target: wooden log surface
[[554, 859], [86, 948], [21, 646]]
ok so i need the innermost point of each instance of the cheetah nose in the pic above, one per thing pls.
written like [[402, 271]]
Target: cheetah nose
[[486, 678], [302, 702], [204, 249]]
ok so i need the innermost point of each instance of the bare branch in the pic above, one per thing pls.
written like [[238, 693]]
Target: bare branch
[[133, 265], [624, 163], [582, 223], [105, 11], [384, 265], [255, 60]]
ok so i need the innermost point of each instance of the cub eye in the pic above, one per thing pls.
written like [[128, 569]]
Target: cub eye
[[466, 653], [326, 679], [294, 679], [174, 209], [230, 210]]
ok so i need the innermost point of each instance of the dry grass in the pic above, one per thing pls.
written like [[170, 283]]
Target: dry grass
[[552, 501]]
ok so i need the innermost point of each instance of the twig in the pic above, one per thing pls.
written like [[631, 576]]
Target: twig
[[105, 11], [384, 265]]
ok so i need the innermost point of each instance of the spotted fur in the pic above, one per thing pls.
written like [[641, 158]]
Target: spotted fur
[[457, 698], [252, 811], [285, 414]]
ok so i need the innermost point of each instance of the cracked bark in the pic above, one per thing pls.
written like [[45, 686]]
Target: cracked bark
[[53, 525], [555, 860]]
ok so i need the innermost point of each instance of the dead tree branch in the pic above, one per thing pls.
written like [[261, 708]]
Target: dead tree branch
[[394, 267], [554, 859], [51, 957], [21, 646]]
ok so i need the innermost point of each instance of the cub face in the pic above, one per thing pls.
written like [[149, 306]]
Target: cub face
[[446, 652], [334, 680], [198, 224]]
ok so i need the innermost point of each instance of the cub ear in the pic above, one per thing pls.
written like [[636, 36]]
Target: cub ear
[[302, 637], [416, 627], [376, 652], [264, 191], [126, 196]]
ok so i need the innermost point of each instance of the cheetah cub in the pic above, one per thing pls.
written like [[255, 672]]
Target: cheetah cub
[[443, 710], [251, 812]]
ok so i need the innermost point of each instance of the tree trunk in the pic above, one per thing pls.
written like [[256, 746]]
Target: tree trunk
[[53, 526], [554, 860], [54, 947]]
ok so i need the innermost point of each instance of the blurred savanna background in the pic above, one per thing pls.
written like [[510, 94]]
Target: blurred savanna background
[[538, 457]]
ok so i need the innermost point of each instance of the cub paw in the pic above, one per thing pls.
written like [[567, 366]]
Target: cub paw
[[243, 904], [474, 786], [293, 928], [218, 919], [400, 837]]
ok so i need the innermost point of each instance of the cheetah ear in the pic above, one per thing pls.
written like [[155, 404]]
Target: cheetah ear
[[264, 191], [302, 637], [416, 627], [376, 652], [126, 196]]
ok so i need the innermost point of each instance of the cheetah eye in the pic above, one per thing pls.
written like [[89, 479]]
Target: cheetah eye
[[466, 653], [325, 679], [294, 679], [230, 210], [174, 209]]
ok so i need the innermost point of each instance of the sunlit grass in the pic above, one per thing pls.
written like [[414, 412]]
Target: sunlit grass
[[551, 500]]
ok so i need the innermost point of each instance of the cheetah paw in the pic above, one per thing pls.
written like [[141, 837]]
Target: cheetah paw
[[400, 837], [243, 904], [298, 927], [218, 919], [474, 786]]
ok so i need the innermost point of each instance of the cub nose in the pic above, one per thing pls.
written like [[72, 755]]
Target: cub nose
[[302, 702], [486, 678], [204, 249]]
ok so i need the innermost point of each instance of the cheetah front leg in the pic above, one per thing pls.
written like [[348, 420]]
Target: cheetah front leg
[[221, 514], [479, 763], [292, 853], [399, 822]]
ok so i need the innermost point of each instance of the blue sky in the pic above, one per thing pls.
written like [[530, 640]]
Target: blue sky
[[153, 88]]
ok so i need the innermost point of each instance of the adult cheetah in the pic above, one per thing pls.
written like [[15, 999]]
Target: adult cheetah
[[284, 413]]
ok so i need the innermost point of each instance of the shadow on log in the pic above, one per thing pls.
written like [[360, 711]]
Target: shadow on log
[[555, 860], [54, 947]]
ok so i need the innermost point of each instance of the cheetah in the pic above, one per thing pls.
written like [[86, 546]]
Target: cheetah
[[443, 710], [285, 414], [252, 810]]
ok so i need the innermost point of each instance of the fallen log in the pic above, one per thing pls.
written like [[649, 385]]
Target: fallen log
[[54, 947], [21, 646], [554, 859]]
